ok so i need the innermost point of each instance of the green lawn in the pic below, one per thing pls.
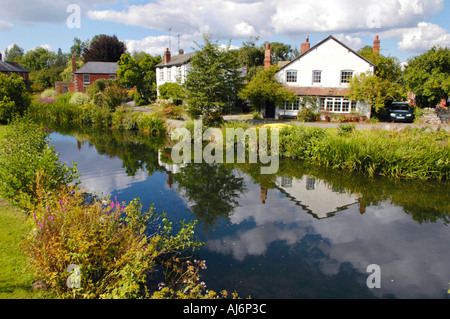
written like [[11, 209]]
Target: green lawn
[[15, 279]]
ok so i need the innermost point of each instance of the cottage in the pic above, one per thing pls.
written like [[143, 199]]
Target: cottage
[[86, 75], [324, 72], [173, 69], [9, 68]]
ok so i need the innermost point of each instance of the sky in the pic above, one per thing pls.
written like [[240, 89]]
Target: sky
[[406, 28]]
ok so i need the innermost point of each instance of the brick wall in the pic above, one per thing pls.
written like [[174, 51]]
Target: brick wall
[[80, 85]]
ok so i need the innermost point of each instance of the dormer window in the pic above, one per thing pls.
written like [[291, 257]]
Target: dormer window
[[291, 76]]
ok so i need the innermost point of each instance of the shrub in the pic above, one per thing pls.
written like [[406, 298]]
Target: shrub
[[306, 115], [78, 99], [49, 93], [106, 240], [14, 97], [28, 160]]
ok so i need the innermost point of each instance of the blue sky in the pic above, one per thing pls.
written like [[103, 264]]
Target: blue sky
[[406, 27]]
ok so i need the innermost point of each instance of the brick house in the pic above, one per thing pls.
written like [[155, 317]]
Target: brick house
[[9, 68], [86, 75]]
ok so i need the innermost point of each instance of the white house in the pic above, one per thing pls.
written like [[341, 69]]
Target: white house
[[323, 71], [173, 69]]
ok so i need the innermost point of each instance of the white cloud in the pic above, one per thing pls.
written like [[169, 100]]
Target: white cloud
[[5, 25], [46, 46], [423, 37], [27, 12], [354, 43]]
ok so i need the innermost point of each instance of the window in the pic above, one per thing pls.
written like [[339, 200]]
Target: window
[[161, 74], [179, 73], [112, 77], [310, 183], [346, 76], [337, 105], [65, 89], [291, 76], [169, 74], [317, 76], [322, 104], [345, 105], [292, 106], [86, 78]]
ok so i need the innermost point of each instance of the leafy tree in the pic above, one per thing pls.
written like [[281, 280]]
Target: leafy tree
[[251, 56], [140, 74], [38, 59], [428, 76], [213, 80], [382, 87], [374, 89], [104, 48], [14, 54], [280, 52], [65, 74], [264, 88], [78, 47], [14, 97]]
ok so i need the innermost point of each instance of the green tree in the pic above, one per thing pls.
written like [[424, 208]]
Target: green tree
[[140, 74], [38, 59], [214, 80], [77, 48], [280, 52], [14, 54], [14, 97], [251, 56], [428, 76], [264, 88], [174, 91], [382, 87]]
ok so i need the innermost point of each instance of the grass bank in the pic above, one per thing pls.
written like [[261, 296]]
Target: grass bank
[[15, 280], [409, 153]]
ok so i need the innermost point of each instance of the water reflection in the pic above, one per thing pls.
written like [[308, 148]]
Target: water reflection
[[304, 232]]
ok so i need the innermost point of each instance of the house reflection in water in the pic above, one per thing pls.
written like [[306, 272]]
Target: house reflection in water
[[316, 196]]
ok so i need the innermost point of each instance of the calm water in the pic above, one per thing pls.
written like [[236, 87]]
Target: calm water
[[302, 233]]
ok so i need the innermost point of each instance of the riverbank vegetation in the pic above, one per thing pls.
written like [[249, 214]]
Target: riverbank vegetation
[[409, 153], [114, 248]]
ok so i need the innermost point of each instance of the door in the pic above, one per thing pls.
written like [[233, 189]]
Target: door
[[270, 110]]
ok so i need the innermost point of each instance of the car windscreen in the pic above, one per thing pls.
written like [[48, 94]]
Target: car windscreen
[[400, 107]]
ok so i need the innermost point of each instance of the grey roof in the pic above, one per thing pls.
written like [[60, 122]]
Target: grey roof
[[177, 60], [319, 44], [12, 67], [98, 68]]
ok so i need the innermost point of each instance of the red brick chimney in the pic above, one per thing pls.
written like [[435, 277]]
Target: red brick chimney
[[167, 56], [305, 46], [74, 65], [376, 46], [267, 57]]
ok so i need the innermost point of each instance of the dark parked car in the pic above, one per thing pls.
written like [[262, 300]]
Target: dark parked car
[[401, 112]]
